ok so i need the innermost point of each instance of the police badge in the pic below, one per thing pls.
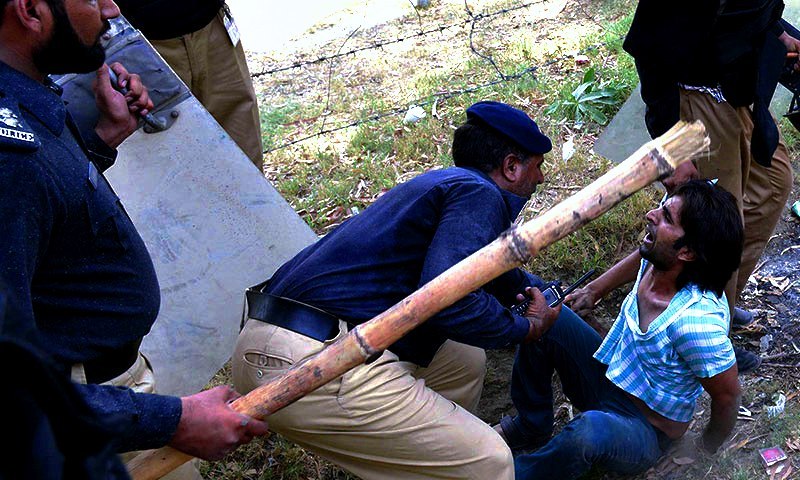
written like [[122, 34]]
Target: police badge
[[14, 132]]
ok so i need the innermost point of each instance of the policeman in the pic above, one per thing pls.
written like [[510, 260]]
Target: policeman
[[69, 252], [408, 413], [200, 41]]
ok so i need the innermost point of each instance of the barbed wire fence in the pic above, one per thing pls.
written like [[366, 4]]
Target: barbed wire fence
[[472, 20], [387, 42]]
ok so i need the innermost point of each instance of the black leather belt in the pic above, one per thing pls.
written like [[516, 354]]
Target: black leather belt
[[291, 315], [106, 367]]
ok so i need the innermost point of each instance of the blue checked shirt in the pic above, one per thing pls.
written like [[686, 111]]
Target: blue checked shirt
[[661, 366]]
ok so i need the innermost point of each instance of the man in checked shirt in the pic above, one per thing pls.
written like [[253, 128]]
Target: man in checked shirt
[[637, 388]]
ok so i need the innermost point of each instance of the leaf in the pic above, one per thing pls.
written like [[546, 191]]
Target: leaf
[[552, 108], [595, 113], [600, 96], [579, 115], [578, 92], [589, 76], [595, 96], [683, 460], [607, 101]]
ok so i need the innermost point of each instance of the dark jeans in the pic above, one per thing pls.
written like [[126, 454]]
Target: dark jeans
[[611, 432]]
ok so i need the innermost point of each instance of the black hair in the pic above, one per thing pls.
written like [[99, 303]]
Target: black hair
[[713, 230], [478, 146]]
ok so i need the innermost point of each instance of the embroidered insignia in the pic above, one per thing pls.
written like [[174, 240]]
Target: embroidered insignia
[[8, 118], [14, 132]]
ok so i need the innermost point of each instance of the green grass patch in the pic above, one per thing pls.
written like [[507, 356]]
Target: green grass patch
[[603, 241], [274, 120]]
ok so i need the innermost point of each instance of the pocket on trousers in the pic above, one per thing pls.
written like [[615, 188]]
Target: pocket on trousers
[[260, 359]]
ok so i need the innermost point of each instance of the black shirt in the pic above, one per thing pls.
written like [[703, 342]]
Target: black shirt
[[162, 19], [69, 253]]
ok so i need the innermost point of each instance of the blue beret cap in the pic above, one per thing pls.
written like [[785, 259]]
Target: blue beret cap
[[511, 123]]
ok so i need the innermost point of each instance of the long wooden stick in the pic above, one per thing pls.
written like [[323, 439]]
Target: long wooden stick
[[653, 161]]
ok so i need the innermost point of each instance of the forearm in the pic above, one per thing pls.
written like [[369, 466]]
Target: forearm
[[723, 418], [144, 420], [481, 321], [618, 275], [113, 137]]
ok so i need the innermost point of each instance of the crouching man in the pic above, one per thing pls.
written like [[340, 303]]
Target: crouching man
[[407, 415], [637, 387]]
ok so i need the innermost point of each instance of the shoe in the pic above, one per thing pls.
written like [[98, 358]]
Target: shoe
[[746, 361], [516, 440], [742, 317]]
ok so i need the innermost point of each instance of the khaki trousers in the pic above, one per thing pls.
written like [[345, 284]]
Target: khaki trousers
[[139, 378], [386, 420], [216, 72], [761, 192]]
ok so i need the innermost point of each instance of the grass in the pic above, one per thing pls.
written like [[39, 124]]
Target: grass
[[273, 121]]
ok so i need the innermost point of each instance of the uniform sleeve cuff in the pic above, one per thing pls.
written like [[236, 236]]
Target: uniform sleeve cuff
[[520, 330], [99, 152], [158, 417]]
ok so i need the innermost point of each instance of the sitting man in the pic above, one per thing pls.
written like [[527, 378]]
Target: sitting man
[[406, 414], [637, 391]]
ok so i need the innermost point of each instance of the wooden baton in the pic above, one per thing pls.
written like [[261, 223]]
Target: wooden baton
[[653, 161]]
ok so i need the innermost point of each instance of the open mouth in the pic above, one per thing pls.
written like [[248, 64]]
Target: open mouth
[[649, 237]]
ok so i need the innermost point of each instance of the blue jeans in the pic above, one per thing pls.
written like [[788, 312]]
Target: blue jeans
[[611, 432]]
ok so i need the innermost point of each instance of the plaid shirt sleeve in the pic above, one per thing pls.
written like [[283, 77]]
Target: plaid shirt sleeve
[[700, 337]]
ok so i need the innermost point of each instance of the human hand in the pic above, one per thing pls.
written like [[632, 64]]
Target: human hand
[[119, 114], [538, 313], [683, 173], [686, 451], [792, 45], [210, 429], [583, 300]]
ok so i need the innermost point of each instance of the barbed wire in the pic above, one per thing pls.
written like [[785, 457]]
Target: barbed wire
[[472, 18], [486, 57], [442, 96]]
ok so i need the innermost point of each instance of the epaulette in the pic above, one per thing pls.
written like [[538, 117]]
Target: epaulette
[[15, 134]]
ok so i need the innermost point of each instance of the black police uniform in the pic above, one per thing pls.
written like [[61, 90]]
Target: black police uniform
[[55, 434], [72, 257]]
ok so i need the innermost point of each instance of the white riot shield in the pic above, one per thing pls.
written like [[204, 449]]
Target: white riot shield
[[211, 222]]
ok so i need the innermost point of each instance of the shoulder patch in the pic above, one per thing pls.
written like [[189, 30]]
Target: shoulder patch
[[14, 132]]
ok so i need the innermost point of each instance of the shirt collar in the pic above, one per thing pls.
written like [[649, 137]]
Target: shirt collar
[[41, 100], [514, 203]]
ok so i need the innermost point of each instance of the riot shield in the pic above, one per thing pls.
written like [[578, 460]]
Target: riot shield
[[211, 221]]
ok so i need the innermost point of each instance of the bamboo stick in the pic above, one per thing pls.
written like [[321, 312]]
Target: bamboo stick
[[653, 161]]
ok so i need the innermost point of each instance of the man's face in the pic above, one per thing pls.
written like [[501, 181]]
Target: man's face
[[663, 230], [74, 44], [530, 175]]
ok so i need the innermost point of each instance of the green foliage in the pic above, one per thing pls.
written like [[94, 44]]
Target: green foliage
[[599, 244], [790, 136], [590, 100], [273, 120]]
